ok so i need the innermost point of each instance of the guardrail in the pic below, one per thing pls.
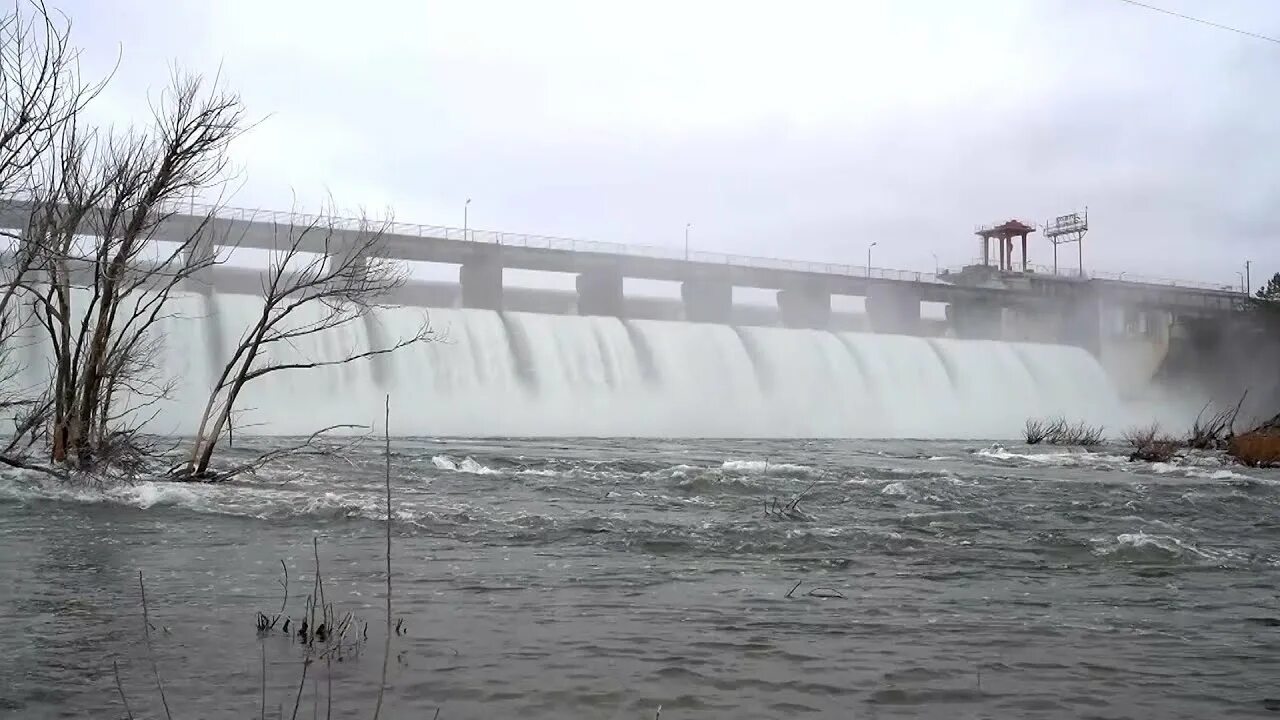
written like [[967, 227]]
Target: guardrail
[[1126, 276], [1166, 282], [546, 242]]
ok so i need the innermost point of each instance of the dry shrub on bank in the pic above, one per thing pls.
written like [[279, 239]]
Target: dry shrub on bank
[[1214, 433], [1037, 431], [1080, 433], [1150, 445], [1060, 432]]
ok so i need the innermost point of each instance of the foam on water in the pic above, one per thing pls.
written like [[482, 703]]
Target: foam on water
[[764, 467], [1063, 458]]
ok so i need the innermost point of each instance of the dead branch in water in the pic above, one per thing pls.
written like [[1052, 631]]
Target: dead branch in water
[[263, 713], [789, 510], [185, 472], [146, 633], [115, 668], [1216, 432], [818, 592], [386, 654]]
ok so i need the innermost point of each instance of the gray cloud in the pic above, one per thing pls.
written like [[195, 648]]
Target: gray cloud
[[806, 130]]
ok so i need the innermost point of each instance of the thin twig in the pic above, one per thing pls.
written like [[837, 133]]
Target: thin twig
[[284, 603], [302, 682], [325, 621], [146, 632], [1231, 424], [796, 502], [263, 714], [309, 637], [793, 588], [386, 653], [115, 667]]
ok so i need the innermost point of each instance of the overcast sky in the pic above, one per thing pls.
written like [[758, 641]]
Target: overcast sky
[[799, 129]]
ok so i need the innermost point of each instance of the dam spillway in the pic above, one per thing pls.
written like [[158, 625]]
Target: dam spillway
[[489, 373]]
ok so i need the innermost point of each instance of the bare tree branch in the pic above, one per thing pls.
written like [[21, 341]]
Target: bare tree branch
[[317, 267]]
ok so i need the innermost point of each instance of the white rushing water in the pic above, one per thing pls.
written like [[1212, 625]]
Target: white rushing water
[[525, 374]]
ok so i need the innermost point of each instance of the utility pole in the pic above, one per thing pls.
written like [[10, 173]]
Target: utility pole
[[1248, 281]]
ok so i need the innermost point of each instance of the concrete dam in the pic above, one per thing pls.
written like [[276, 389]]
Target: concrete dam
[[597, 363]]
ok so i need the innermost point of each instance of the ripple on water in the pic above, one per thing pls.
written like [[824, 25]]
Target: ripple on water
[[582, 578]]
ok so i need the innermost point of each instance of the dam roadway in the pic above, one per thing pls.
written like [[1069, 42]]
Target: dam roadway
[[981, 301]]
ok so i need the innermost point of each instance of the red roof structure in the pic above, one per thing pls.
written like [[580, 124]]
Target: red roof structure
[[1004, 234]]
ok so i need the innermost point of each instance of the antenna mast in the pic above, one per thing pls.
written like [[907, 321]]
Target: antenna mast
[[1066, 229]]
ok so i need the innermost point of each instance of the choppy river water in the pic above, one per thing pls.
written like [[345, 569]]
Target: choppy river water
[[605, 578]]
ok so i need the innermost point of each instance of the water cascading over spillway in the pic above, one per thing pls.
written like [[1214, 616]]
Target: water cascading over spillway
[[517, 374]]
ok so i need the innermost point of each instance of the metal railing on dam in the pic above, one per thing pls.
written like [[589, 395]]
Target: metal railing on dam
[[549, 242], [257, 228]]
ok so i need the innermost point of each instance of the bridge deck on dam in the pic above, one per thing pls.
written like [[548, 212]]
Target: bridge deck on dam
[[804, 286]]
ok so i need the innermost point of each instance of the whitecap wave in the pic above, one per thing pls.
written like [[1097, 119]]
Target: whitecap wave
[[1148, 547], [1203, 472], [236, 500], [896, 489], [764, 467], [1063, 458], [467, 465]]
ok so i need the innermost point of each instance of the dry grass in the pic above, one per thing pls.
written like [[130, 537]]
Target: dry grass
[[1259, 447]]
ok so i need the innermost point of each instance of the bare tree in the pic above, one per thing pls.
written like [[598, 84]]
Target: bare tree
[[325, 273], [41, 89], [99, 250], [107, 225], [42, 93]]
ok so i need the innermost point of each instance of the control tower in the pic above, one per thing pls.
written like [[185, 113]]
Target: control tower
[[1003, 234]]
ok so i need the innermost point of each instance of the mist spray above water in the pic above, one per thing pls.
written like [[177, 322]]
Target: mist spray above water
[[519, 374]]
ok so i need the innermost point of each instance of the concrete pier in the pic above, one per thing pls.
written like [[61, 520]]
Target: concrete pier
[[600, 293], [806, 306], [481, 284], [893, 309], [976, 320], [707, 300]]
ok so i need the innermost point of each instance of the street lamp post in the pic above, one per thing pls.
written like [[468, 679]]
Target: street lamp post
[[1243, 289], [937, 269], [686, 240], [465, 207], [1248, 281], [869, 257]]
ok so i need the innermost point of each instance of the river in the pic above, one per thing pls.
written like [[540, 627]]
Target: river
[[570, 578]]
